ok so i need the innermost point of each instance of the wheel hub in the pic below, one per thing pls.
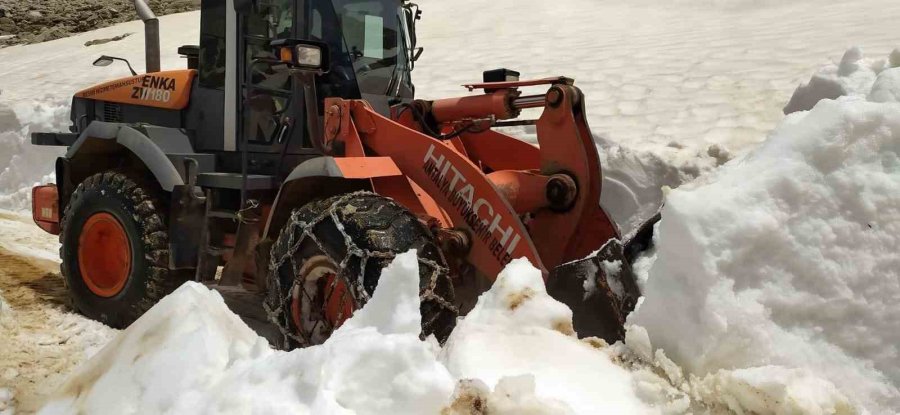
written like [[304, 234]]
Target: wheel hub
[[320, 300], [104, 255]]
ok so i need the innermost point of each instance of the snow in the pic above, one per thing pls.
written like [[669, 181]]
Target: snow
[[787, 259], [21, 236], [769, 292], [515, 353], [525, 331], [887, 86], [667, 80], [853, 75]]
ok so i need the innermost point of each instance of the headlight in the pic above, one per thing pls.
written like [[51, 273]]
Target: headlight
[[308, 56], [300, 54]]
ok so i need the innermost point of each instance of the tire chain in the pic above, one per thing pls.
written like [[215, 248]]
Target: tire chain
[[278, 296]]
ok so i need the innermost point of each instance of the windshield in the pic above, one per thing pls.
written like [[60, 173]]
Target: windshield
[[376, 42]]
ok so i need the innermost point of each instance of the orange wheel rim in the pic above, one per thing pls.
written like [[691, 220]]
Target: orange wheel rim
[[337, 308], [320, 297], [104, 255]]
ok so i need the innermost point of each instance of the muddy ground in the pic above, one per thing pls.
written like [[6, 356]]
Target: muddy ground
[[36, 21], [41, 341]]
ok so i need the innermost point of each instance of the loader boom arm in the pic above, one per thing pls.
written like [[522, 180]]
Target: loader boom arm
[[559, 201]]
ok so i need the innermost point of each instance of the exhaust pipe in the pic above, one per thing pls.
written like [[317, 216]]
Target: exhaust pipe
[[151, 35]]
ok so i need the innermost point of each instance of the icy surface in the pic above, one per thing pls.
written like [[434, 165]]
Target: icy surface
[[789, 257], [668, 79]]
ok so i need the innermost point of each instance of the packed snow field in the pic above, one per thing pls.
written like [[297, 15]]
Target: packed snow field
[[774, 286]]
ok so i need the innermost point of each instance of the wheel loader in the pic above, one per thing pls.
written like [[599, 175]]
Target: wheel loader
[[289, 158]]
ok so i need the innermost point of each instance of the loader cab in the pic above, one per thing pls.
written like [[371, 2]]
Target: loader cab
[[262, 105]]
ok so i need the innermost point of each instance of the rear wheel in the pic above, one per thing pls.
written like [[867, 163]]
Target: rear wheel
[[328, 259], [115, 249]]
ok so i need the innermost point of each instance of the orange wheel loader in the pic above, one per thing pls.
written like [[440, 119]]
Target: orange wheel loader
[[291, 159]]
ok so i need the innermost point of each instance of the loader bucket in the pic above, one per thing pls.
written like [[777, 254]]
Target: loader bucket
[[601, 290]]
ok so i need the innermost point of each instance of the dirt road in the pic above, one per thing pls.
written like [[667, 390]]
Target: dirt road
[[41, 340]]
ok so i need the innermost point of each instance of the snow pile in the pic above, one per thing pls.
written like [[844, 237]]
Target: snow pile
[[21, 164], [853, 75], [190, 354], [887, 86], [516, 327], [515, 353], [634, 182], [785, 265]]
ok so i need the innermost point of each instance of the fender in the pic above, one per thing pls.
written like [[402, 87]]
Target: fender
[[326, 176], [150, 146]]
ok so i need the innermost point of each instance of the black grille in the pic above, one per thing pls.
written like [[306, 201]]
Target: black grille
[[112, 112]]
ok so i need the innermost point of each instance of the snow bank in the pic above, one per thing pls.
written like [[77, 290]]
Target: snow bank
[[515, 353], [21, 164], [887, 86], [854, 75], [524, 330], [788, 259], [190, 354]]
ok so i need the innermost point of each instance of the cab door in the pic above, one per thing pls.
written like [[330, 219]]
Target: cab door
[[270, 112]]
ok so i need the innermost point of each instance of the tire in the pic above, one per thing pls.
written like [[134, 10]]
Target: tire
[[114, 249], [312, 248]]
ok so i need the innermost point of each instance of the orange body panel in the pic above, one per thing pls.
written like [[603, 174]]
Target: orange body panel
[[367, 167], [167, 89], [498, 151], [45, 208]]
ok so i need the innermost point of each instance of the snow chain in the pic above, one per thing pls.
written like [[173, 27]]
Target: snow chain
[[299, 232]]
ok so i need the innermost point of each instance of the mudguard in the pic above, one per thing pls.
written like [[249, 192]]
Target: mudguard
[[326, 176], [150, 145]]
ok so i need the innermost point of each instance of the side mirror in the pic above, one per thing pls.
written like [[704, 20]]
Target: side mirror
[[244, 6], [103, 61], [107, 60], [306, 55]]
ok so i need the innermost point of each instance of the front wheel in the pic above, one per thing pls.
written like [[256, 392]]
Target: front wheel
[[328, 259], [115, 249]]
